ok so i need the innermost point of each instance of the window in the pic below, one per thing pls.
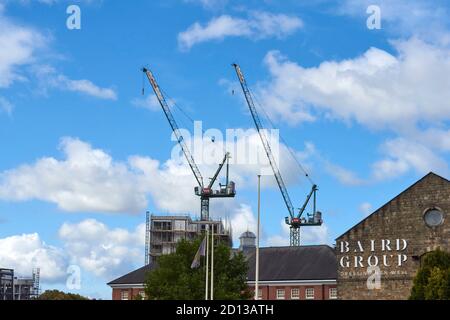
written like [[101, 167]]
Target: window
[[309, 293], [142, 294], [280, 294], [433, 217], [295, 294], [124, 295], [332, 293]]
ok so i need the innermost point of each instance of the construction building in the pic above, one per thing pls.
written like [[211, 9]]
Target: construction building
[[162, 235], [164, 232], [18, 288], [6, 284]]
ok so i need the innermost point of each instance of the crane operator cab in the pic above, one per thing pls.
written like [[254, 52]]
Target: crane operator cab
[[225, 190]]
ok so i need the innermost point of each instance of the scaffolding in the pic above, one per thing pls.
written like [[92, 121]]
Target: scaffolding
[[164, 232], [147, 238], [18, 288]]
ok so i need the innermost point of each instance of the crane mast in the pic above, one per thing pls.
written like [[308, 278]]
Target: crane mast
[[205, 193], [294, 221]]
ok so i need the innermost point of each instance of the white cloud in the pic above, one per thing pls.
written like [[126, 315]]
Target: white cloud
[[89, 244], [86, 180], [427, 19], [48, 77], [365, 208], [209, 4], [102, 251], [28, 251], [19, 45], [150, 103], [376, 89], [243, 220], [259, 25], [87, 87], [343, 175], [403, 155], [6, 106], [404, 93]]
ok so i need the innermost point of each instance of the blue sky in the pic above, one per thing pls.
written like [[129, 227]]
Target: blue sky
[[85, 155]]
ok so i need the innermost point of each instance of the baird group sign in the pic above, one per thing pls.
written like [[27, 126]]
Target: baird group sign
[[373, 253]]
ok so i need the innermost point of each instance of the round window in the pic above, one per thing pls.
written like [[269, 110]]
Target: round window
[[434, 217]]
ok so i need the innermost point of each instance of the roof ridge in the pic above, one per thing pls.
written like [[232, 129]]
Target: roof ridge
[[431, 173], [301, 246]]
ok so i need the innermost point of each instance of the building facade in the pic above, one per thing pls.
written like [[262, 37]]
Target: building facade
[[131, 285], [378, 258], [294, 273], [286, 273], [164, 232], [6, 284], [15, 288]]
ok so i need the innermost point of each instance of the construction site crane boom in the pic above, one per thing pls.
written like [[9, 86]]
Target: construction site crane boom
[[294, 221], [174, 125], [205, 193], [214, 178], [265, 142]]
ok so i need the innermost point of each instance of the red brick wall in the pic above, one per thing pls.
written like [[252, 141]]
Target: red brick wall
[[321, 292], [132, 292]]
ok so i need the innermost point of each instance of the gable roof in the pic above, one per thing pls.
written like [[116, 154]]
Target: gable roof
[[421, 180], [134, 277], [276, 264], [293, 263]]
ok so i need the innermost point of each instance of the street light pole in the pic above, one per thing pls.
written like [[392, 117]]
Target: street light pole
[[207, 261], [257, 241], [212, 262]]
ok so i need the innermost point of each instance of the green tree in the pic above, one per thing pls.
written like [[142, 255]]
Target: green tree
[[432, 281], [59, 295], [174, 279]]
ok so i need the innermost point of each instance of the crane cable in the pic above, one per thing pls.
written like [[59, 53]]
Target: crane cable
[[172, 104], [284, 141]]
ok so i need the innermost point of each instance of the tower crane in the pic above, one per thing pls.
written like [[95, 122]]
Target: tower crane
[[294, 220], [204, 192]]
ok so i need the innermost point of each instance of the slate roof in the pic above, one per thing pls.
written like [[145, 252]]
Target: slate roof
[[276, 264], [136, 277], [294, 263]]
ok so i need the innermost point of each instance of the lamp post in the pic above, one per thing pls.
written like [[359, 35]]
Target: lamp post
[[212, 262], [257, 241], [207, 261]]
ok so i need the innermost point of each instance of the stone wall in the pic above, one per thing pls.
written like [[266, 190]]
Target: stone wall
[[394, 238]]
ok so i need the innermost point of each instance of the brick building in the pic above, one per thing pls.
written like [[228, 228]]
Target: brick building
[[130, 285], [379, 257], [286, 273], [294, 273]]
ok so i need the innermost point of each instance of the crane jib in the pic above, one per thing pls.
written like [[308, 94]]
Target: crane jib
[[174, 126], [226, 191], [295, 221], [265, 143]]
